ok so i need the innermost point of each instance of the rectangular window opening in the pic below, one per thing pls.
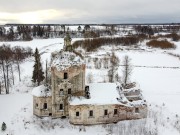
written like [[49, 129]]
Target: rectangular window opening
[[45, 106], [105, 112], [91, 113], [136, 110], [69, 91], [77, 114], [65, 75], [115, 111], [61, 107]]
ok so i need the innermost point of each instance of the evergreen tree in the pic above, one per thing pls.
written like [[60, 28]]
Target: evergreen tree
[[87, 27], [79, 28], [38, 74], [3, 127], [34, 31], [11, 34]]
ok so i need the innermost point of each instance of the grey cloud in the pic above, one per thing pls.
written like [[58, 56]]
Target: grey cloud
[[100, 11]]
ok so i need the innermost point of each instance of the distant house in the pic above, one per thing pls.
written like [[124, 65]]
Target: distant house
[[92, 104]]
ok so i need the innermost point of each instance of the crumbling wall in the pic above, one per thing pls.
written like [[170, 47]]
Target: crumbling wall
[[39, 110], [132, 92], [76, 76], [75, 81], [133, 95], [123, 113]]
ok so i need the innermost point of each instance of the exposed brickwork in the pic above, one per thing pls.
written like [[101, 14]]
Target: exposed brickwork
[[123, 113]]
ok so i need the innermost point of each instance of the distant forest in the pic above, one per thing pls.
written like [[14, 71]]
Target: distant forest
[[25, 32]]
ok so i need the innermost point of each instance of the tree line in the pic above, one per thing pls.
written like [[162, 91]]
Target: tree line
[[150, 29], [29, 32], [10, 59], [92, 44]]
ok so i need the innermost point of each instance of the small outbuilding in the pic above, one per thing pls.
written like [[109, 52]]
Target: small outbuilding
[[42, 98]]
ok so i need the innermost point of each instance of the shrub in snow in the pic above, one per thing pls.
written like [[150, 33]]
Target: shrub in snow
[[174, 36], [163, 44], [3, 127]]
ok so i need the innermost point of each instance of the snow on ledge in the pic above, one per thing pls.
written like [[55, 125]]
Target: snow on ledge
[[41, 91]]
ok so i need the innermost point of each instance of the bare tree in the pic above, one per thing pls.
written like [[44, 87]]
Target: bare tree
[[110, 75], [12, 73], [6, 59], [7, 76], [90, 77], [0, 88], [105, 62], [97, 63], [9, 56], [117, 78], [127, 70], [0, 80], [18, 57], [29, 51], [114, 61], [47, 75], [4, 74]]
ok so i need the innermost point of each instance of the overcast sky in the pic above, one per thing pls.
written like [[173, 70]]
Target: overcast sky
[[89, 11]]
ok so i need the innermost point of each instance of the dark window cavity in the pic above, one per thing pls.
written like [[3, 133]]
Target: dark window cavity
[[61, 107], [65, 75], [45, 106], [115, 111], [91, 113], [77, 114], [105, 112], [69, 91], [136, 110]]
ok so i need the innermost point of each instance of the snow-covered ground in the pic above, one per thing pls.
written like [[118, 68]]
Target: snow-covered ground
[[157, 73]]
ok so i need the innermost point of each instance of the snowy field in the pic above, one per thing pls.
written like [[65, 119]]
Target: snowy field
[[157, 73]]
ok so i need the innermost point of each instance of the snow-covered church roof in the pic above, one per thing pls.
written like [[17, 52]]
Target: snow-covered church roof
[[64, 60], [105, 94], [100, 93], [41, 91]]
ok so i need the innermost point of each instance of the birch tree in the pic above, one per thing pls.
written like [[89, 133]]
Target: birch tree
[[127, 70]]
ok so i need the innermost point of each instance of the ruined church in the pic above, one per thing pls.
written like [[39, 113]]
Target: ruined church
[[84, 104]]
